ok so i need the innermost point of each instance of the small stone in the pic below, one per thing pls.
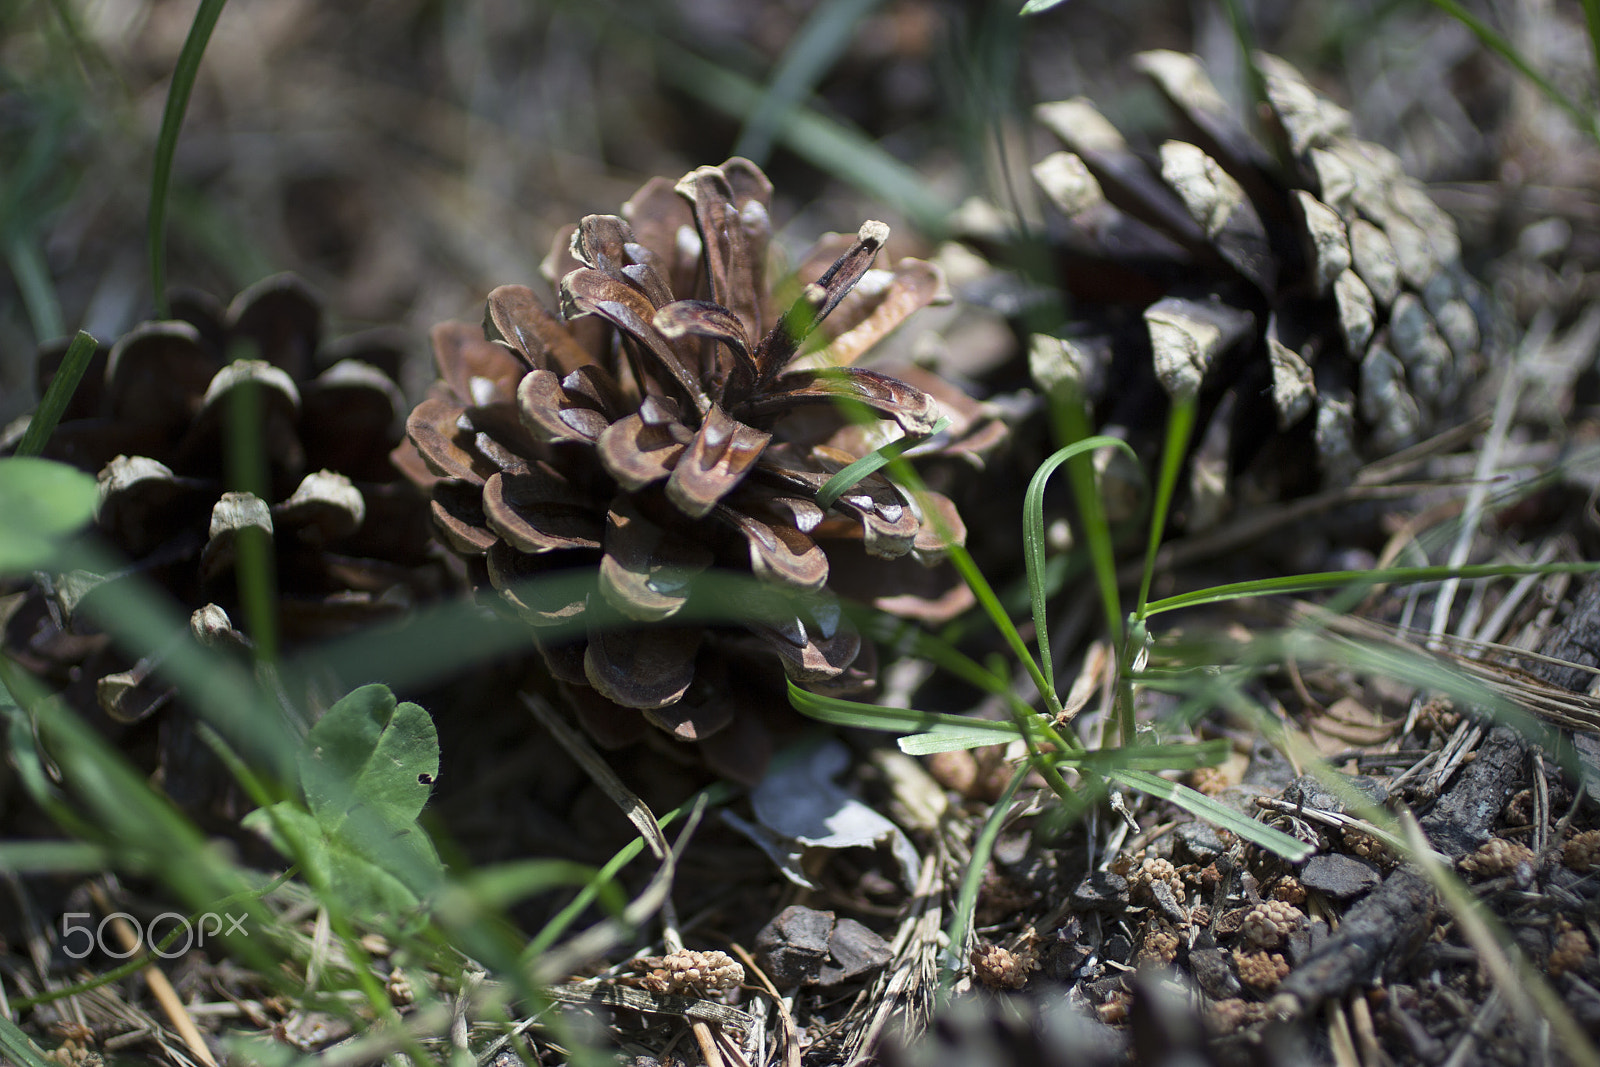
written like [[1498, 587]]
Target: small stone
[[1339, 877], [1101, 891], [793, 946], [1212, 973], [854, 950], [1197, 843]]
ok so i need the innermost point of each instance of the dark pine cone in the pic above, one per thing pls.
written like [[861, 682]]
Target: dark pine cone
[[673, 423], [1308, 292], [350, 535]]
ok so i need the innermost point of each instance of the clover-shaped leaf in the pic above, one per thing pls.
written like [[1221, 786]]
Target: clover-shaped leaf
[[367, 769]]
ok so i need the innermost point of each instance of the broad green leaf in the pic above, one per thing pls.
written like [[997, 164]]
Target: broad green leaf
[[367, 769], [1217, 814], [364, 886], [41, 502], [372, 751]]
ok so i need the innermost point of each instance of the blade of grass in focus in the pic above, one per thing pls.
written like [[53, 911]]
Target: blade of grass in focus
[[183, 78], [58, 395]]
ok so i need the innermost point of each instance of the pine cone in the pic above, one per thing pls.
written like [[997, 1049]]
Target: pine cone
[[672, 423], [350, 534], [1308, 292]]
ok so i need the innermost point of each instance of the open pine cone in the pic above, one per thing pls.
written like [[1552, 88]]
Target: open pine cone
[[1307, 291], [675, 421], [351, 536]]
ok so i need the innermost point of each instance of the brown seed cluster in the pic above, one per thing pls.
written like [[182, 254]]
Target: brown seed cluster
[[1571, 949], [688, 972], [1497, 856], [1160, 945], [1153, 869], [1289, 890], [1582, 851], [1234, 1013], [1367, 847], [1267, 924], [997, 967], [1260, 970]]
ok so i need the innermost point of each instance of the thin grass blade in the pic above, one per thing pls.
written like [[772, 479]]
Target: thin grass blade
[[1033, 539], [183, 77], [1180, 426], [38, 292], [1217, 814], [972, 880], [1492, 40], [829, 31], [840, 712], [59, 395], [1303, 583], [834, 487], [18, 1047]]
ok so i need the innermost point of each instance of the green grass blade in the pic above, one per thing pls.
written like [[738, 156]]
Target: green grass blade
[[1217, 814], [827, 34], [1033, 540], [1037, 7], [183, 77], [18, 1047], [59, 395], [1305, 583], [840, 712], [827, 144], [255, 569], [950, 739], [972, 879], [1175, 756], [1591, 19], [1070, 421], [35, 287], [1506, 50], [1180, 427], [55, 857], [834, 487]]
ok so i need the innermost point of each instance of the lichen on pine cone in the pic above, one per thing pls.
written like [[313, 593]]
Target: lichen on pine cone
[[676, 421], [1306, 291], [350, 535]]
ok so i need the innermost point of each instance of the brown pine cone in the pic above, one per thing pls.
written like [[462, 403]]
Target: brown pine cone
[[350, 535], [677, 421], [1306, 291]]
